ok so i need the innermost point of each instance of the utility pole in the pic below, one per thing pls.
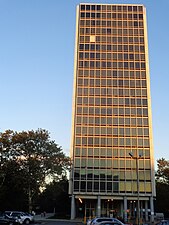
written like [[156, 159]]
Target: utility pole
[[138, 190]]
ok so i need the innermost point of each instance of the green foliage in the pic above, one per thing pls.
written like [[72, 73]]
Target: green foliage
[[162, 199], [11, 191], [162, 174], [29, 158], [55, 198], [162, 186]]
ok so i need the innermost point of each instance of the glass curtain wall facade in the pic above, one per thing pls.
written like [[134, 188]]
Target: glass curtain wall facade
[[111, 113]]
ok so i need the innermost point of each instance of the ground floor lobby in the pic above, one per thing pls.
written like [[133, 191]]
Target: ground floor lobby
[[123, 207]]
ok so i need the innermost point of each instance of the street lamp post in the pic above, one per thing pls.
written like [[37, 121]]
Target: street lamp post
[[138, 191]]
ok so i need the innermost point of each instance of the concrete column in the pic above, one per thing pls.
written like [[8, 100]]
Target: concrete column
[[125, 209], [141, 211], [121, 209], [73, 208], [98, 206], [152, 209], [146, 210]]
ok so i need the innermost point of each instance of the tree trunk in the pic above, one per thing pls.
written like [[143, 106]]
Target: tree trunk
[[29, 200]]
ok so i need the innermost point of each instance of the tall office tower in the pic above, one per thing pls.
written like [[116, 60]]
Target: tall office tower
[[112, 148]]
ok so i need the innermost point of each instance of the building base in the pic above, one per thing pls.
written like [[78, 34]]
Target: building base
[[123, 208]]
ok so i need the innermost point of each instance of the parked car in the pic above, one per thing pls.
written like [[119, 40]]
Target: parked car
[[23, 218], [88, 222], [5, 220], [108, 223], [98, 220]]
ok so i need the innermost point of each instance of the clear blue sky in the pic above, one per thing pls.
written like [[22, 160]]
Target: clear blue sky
[[36, 67]]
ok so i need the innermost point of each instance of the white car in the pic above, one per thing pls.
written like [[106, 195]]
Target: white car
[[23, 218], [108, 223], [98, 220], [88, 222]]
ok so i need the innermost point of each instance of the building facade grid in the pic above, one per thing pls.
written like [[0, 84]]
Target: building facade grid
[[111, 111]]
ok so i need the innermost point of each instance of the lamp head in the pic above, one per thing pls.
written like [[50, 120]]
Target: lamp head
[[131, 154]]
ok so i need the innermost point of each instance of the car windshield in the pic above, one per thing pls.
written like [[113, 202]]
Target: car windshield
[[16, 214], [105, 219]]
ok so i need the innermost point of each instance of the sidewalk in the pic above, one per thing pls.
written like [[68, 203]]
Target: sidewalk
[[40, 218]]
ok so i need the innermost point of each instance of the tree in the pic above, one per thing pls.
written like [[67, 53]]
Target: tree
[[55, 198], [37, 156], [162, 174], [11, 192], [162, 186]]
